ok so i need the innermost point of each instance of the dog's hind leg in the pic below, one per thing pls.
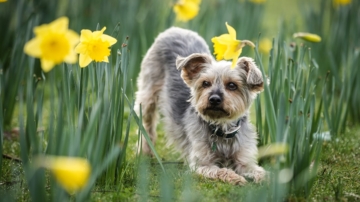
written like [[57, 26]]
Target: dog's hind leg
[[150, 83]]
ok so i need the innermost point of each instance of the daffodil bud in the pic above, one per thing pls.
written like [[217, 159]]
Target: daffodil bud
[[308, 36]]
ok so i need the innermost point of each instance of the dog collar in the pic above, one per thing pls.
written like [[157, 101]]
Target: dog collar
[[216, 130]]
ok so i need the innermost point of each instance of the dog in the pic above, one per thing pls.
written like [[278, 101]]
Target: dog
[[204, 104]]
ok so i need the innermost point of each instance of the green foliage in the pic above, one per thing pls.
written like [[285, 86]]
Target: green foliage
[[291, 116], [340, 56]]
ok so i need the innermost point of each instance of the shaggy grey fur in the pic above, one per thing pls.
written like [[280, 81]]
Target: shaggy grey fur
[[204, 92]]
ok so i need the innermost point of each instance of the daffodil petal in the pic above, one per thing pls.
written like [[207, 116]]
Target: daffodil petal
[[71, 58], [231, 31], [73, 37], [84, 60], [98, 34], [41, 29], [225, 39], [61, 24], [233, 63], [80, 48], [86, 35], [109, 39], [232, 51], [32, 47], [47, 65], [235, 58]]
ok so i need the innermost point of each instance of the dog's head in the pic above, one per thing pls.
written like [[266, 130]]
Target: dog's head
[[219, 93]]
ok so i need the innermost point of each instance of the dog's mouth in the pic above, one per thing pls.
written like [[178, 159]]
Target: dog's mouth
[[215, 112]]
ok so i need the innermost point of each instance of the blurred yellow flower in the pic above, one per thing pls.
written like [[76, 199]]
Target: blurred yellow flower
[[308, 36], [72, 173], [94, 46], [186, 9], [258, 1], [272, 150], [2, 1], [265, 45], [53, 43], [227, 47], [338, 3]]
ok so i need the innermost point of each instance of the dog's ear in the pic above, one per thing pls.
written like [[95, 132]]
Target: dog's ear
[[191, 66], [254, 77]]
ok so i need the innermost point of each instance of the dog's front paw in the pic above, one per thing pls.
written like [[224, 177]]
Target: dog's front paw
[[258, 174], [230, 176], [223, 174]]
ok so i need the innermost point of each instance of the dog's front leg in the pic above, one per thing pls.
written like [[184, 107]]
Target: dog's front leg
[[224, 174], [249, 169]]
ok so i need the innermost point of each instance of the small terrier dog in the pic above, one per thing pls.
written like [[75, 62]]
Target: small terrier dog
[[204, 104]]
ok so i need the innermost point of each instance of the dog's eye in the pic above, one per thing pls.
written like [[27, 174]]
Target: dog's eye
[[231, 86], [206, 84]]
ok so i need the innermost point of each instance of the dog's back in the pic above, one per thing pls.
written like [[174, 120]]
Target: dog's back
[[159, 81]]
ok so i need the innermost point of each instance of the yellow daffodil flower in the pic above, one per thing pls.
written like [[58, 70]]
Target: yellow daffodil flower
[[94, 46], [308, 36], [258, 1], [338, 3], [272, 150], [2, 1], [186, 9], [265, 45], [227, 47], [53, 43], [72, 173]]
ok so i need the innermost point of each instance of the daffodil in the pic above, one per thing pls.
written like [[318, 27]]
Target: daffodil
[[273, 150], [53, 43], [72, 173], [308, 36], [338, 3], [227, 47], [186, 9], [258, 1], [94, 46], [265, 45]]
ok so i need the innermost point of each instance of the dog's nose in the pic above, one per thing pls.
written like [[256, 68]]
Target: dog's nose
[[215, 99]]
